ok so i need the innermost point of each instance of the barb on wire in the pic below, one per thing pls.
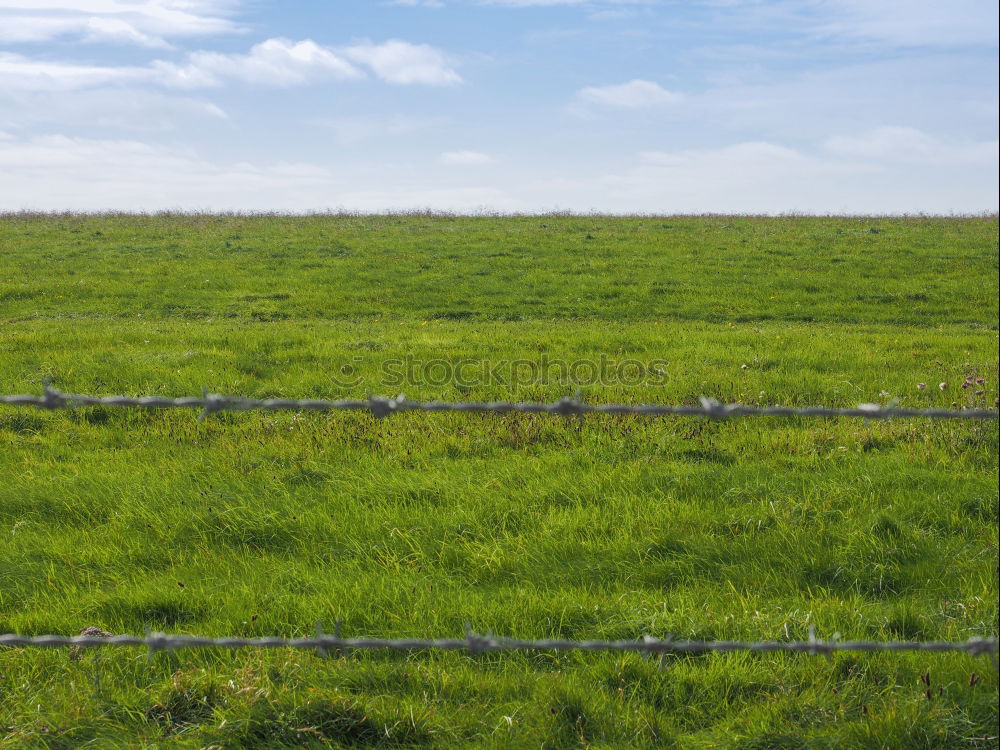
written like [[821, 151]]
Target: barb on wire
[[476, 643], [210, 403]]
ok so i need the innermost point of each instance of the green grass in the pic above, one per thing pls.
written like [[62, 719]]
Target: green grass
[[532, 526]]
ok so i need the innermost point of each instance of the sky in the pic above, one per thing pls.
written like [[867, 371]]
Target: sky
[[612, 106]]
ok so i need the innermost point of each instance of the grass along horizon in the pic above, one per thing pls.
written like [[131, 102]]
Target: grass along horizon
[[532, 526]]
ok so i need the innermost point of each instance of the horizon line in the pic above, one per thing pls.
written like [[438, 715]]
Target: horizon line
[[480, 213]]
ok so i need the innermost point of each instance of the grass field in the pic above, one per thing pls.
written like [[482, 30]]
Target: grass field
[[530, 526]]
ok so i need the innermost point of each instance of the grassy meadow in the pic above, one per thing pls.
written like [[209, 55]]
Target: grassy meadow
[[527, 525]]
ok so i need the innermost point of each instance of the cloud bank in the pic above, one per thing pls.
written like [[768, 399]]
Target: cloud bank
[[274, 62], [846, 174], [147, 23]]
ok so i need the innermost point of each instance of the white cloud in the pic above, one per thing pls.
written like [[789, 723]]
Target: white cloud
[[894, 23], [95, 29], [401, 62], [911, 22], [116, 109], [635, 94], [751, 176], [936, 93], [143, 22], [466, 158], [275, 62], [58, 173], [762, 177], [92, 174], [910, 145], [743, 161], [21, 73]]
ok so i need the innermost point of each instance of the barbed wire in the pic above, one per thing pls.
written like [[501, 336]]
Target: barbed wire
[[210, 403], [324, 644]]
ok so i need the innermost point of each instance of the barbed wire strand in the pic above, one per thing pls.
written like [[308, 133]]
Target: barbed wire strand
[[475, 643], [210, 403]]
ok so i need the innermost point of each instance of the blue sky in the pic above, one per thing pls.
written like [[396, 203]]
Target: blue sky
[[652, 106]]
